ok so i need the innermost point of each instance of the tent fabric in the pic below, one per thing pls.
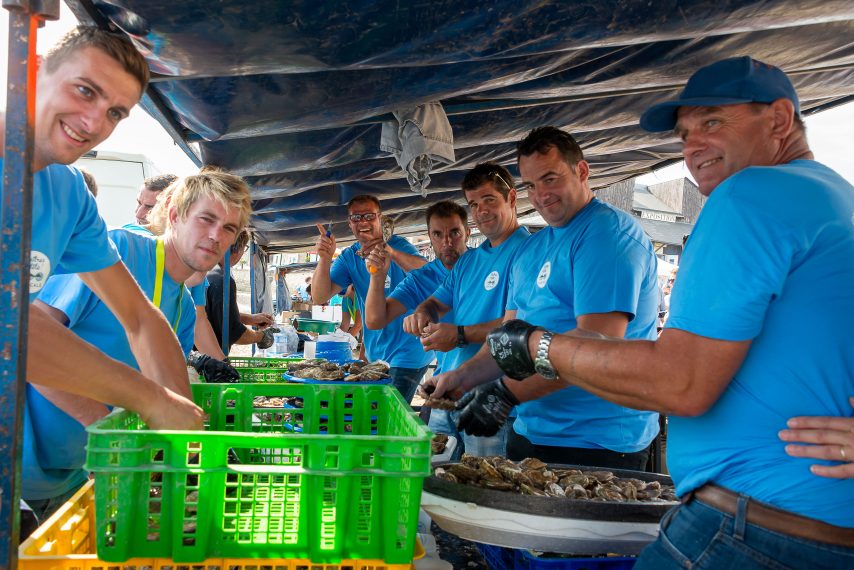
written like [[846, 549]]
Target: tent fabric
[[293, 95]]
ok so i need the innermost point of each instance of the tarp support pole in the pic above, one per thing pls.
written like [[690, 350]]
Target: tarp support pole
[[16, 208], [252, 302], [226, 293]]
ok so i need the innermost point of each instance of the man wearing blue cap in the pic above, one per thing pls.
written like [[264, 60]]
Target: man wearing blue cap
[[730, 366]]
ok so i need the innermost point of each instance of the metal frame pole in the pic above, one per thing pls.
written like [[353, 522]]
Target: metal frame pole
[[252, 303], [226, 293], [16, 207]]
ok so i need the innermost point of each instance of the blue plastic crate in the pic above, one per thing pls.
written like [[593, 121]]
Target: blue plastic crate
[[501, 558]]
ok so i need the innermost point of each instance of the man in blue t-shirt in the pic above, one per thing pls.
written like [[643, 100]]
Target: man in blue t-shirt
[[207, 211], [476, 290], [593, 268], [403, 353], [775, 239], [210, 361], [86, 85], [447, 228]]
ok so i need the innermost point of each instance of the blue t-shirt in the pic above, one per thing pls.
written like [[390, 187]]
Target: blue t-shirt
[[416, 287], [599, 262], [53, 441], [390, 344], [477, 287], [196, 291], [771, 260], [68, 235]]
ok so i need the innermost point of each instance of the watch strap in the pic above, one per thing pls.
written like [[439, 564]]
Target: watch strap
[[461, 335]]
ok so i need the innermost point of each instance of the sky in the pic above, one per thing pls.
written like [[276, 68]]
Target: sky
[[830, 133]]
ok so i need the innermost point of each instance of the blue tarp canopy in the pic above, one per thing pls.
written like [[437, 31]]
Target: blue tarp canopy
[[291, 95]]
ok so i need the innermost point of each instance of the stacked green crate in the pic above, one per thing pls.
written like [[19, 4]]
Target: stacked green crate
[[290, 471]]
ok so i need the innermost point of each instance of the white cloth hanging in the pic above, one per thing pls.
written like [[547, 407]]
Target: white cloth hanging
[[419, 137]]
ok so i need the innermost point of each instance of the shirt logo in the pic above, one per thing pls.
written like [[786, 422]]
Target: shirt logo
[[491, 281], [387, 284], [543, 277], [39, 270]]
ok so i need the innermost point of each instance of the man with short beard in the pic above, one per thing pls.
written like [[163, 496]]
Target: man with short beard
[[593, 266], [447, 227], [403, 354], [475, 291]]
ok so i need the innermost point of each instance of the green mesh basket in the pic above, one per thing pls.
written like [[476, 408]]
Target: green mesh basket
[[320, 472], [261, 362]]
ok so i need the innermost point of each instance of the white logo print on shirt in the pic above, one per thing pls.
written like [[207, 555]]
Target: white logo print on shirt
[[543, 277], [39, 270], [491, 281]]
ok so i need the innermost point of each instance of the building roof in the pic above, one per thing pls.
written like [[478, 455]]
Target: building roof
[[665, 232], [643, 199]]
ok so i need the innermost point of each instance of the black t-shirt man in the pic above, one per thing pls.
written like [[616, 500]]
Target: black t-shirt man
[[213, 307]]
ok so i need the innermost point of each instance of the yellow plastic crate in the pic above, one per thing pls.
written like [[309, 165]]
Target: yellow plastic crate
[[66, 542]]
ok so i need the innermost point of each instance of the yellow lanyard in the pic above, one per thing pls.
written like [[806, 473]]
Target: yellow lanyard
[[160, 265]]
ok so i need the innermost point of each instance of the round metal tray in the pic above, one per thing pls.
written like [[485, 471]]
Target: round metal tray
[[549, 524]]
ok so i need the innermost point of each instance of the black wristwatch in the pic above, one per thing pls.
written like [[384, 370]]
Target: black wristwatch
[[461, 336]]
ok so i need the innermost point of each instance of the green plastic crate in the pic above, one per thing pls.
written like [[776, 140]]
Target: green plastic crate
[[261, 362], [261, 375], [333, 473]]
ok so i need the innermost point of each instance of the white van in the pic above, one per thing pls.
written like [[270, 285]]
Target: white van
[[119, 176]]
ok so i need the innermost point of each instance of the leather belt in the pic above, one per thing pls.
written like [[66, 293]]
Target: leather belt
[[772, 518]]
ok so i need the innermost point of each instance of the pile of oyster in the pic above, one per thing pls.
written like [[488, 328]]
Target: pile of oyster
[[533, 477], [322, 369]]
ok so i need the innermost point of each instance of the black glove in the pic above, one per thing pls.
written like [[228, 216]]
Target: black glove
[[267, 340], [508, 345], [215, 371], [485, 409]]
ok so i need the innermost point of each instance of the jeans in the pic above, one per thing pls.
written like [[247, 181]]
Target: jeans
[[43, 508], [442, 421], [520, 447], [406, 380], [695, 535]]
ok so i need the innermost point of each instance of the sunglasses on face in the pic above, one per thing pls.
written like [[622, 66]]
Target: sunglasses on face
[[369, 217]]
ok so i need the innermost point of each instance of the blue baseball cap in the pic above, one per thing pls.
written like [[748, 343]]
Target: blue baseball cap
[[726, 82]]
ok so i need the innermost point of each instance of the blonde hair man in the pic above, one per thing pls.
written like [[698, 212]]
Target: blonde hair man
[[205, 215]]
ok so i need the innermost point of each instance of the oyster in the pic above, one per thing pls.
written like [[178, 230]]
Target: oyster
[[464, 473], [498, 485], [437, 445], [441, 403], [488, 472], [470, 460], [445, 476], [601, 476], [531, 463]]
